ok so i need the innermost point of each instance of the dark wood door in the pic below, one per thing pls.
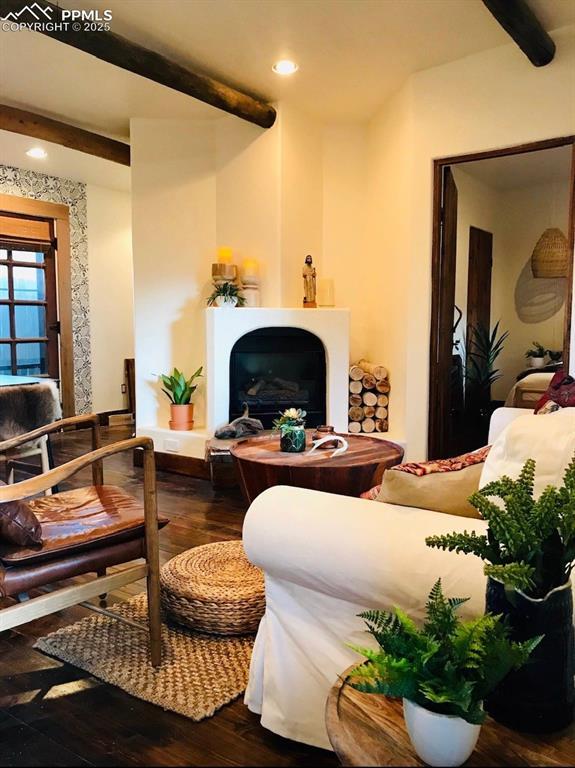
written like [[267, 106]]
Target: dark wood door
[[440, 412], [478, 286]]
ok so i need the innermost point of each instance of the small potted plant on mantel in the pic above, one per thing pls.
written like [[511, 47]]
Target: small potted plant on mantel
[[291, 426], [536, 355], [529, 551], [179, 390], [442, 671], [226, 294]]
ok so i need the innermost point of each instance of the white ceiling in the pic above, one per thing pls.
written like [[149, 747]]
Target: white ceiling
[[526, 170], [352, 54], [63, 162]]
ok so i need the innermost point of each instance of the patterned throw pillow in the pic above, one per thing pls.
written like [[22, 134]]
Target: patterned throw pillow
[[561, 392], [422, 468], [372, 494]]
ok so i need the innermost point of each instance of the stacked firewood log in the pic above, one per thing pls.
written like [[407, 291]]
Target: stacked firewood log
[[368, 398]]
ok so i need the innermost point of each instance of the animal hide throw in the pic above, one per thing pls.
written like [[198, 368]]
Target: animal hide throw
[[26, 407]]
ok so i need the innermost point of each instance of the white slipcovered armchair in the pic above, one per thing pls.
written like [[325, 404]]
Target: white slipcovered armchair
[[326, 558]]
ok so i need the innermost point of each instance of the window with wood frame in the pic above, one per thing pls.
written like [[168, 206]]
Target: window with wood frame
[[28, 303]]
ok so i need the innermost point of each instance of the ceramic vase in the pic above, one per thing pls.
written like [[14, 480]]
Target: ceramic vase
[[226, 301], [439, 740], [539, 697], [292, 439]]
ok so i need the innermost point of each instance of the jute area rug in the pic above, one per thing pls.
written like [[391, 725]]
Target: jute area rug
[[199, 673]]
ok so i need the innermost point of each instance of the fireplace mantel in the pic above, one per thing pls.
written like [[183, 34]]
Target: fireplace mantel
[[225, 326]]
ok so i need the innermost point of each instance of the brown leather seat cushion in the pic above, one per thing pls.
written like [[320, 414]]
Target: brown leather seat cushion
[[24, 577], [77, 520]]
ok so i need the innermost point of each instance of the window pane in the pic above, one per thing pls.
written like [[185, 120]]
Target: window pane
[[3, 282], [5, 360], [4, 322], [29, 284], [30, 321], [32, 257], [31, 359], [3, 253]]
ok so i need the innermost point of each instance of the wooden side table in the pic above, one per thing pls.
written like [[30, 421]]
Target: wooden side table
[[261, 464], [367, 730]]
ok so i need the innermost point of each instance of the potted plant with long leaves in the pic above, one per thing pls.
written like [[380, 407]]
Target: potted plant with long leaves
[[536, 355], [483, 349], [291, 426], [529, 554], [226, 294], [443, 671], [179, 390]]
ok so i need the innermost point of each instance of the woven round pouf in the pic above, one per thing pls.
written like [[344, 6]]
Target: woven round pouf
[[214, 588]]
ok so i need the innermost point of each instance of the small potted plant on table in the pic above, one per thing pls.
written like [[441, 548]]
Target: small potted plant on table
[[536, 355], [179, 390], [442, 671], [226, 294], [529, 551], [291, 426]]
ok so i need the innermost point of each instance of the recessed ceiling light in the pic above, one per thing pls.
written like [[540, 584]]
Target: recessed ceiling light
[[37, 152], [285, 67]]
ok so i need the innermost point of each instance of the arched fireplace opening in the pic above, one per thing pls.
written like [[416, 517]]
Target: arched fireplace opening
[[272, 369]]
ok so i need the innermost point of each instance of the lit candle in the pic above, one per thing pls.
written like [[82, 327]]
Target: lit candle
[[224, 255], [250, 268]]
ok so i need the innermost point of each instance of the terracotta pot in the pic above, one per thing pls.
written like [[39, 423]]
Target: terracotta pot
[[182, 417]]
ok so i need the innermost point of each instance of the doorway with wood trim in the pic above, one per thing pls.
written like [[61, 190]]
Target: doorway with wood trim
[[35, 293], [489, 302]]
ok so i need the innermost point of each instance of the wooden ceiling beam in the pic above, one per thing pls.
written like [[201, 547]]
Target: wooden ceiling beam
[[519, 21], [46, 129], [125, 54]]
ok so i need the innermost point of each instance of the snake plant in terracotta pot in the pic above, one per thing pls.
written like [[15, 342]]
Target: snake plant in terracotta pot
[[529, 551], [179, 390], [442, 670]]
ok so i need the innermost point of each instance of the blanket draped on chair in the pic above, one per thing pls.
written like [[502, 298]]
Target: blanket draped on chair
[[26, 407]]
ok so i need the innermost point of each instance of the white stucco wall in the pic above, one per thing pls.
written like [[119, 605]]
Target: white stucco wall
[[111, 294]]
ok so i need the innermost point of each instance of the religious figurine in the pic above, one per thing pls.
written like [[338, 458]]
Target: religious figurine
[[309, 287]]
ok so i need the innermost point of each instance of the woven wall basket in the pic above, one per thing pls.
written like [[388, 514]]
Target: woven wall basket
[[550, 256]]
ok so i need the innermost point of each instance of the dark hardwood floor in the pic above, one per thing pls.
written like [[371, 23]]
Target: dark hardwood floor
[[53, 714]]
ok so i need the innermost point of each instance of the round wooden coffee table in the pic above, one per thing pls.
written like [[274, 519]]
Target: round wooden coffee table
[[260, 465], [367, 730]]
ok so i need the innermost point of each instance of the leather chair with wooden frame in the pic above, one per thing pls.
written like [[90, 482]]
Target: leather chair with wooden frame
[[85, 530]]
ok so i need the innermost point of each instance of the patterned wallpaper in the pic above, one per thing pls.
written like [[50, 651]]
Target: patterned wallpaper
[[51, 189]]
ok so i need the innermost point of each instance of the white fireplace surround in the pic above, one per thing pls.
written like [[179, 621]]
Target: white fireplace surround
[[225, 326]]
